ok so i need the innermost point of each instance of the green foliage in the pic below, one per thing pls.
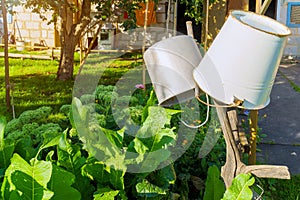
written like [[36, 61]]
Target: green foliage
[[27, 117], [6, 147], [105, 194], [153, 136], [30, 131], [39, 160], [60, 183], [69, 157], [239, 190], [214, 186], [150, 144], [194, 9], [28, 181], [148, 190], [192, 170], [275, 189]]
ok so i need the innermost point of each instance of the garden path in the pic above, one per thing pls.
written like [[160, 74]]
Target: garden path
[[280, 120]]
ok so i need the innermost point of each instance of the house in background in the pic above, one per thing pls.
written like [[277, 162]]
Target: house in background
[[288, 12], [29, 26]]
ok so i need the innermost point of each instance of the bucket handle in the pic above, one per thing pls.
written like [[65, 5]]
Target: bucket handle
[[207, 115], [236, 104]]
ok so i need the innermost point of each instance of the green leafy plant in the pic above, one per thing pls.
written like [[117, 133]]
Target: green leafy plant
[[194, 9], [240, 188], [27, 181], [214, 186], [40, 160]]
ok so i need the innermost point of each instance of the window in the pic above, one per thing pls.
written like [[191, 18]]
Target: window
[[293, 15]]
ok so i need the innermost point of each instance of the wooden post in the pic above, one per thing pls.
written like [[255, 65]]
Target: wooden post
[[238, 4], [6, 60], [234, 166], [245, 4], [254, 113], [144, 42], [258, 6], [175, 17], [253, 136], [189, 28], [206, 25]]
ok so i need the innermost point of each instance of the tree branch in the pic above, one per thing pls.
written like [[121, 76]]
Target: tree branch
[[84, 19]]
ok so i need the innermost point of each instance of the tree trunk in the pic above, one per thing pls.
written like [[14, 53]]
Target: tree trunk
[[66, 65], [70, 34]]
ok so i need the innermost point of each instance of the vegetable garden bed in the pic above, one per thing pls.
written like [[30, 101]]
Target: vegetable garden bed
[[41, 148]]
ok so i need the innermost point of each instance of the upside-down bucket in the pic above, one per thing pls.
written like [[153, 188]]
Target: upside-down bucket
[[170, 64], [243, 60]]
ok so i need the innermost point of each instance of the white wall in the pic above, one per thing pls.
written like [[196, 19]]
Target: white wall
[[32, 28], [293, 45]]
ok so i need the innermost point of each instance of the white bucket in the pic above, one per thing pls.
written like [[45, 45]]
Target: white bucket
[[20, 45], [243, 60], [170, 64]]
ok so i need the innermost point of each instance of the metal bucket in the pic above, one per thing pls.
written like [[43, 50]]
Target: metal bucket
[[170, 64], [20, 45], [243, 60]]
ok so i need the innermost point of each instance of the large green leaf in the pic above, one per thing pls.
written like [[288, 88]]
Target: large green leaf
[[147, 189], [114, 137], [70, 158], [51, 142], [6, 151], [78, 113], [28, 180], [25, 148], [165, 176], [60, 183], [2, 127], [153, 159], [96, 171], [105, 176], [105, 194], [117, 178], [162, 139], [69, 155], [239, 190], [153, 139], [157, 118], [150, 102], [214, 186], [101, 143], [6, 146], [79, 119]]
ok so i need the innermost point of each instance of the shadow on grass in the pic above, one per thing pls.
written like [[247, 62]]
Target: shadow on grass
[[35, 83], [32, 91], [36, 90]]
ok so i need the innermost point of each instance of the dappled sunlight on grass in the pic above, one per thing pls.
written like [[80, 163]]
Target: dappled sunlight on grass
[[34, 81]]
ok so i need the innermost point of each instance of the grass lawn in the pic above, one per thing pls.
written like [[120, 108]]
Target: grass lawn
[[34, 85], [275, 189], [34, 82]]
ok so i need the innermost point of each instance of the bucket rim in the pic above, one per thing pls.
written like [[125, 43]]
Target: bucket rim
[[233, 13]]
